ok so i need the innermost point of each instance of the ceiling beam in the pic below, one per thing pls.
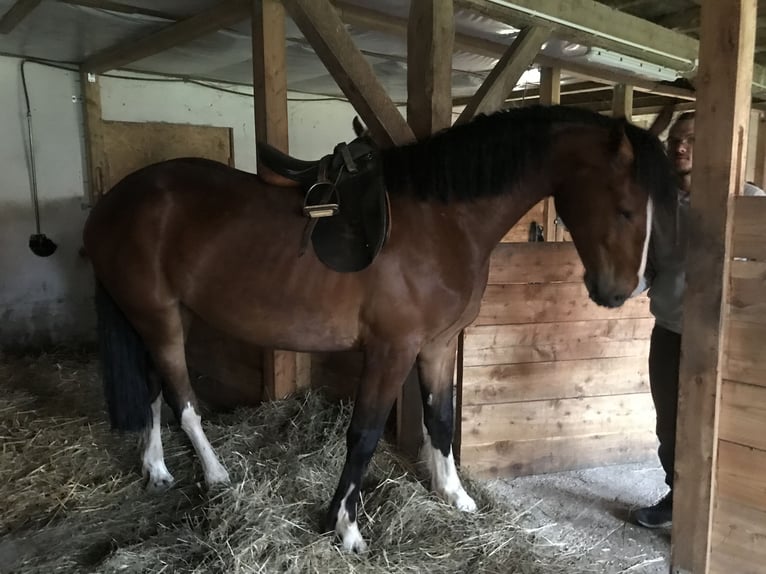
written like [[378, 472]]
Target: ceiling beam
[[324, 29], [16, 14], [506, 73], [653, 43], [214, 18], [594, 24], [365, 18], [121, 8]]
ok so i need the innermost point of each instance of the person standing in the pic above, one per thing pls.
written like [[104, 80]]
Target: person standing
[[666, 280]]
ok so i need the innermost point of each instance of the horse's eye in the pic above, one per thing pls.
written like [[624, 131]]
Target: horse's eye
[[626, 214]]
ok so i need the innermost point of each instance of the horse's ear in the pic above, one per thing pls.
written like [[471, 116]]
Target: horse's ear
[[662, 120], [358, 126], [619, 144]]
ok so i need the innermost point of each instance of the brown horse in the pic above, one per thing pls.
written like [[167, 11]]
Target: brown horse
[[195, 236]]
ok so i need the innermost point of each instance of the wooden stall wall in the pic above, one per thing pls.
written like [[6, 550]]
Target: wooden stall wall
[[549, 380], [739, 513]]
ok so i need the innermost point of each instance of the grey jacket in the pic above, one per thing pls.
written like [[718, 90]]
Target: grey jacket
[[665, 269]]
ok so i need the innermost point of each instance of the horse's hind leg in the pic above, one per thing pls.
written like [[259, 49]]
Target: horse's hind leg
[[155, 472], [436, 364], [164, 336], [386, 367]]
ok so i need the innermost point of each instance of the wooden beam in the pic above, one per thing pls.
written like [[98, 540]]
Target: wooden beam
[[94, 139], [281, 370], [622, 101], [722, 118], [214, 18], [15, 14], [123, 8], [506, 73], [430, 39], [270, 73], [595, 24], [550, 94], [323, 28], [430, 42]]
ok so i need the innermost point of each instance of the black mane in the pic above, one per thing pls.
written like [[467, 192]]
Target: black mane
[[483, 156]]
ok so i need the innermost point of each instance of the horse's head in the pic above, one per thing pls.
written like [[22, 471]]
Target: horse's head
[[608, 184]]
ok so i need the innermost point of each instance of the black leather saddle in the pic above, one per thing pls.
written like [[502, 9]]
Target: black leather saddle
[[345, 202]]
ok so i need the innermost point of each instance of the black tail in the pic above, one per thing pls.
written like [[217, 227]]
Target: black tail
[[124, 366]]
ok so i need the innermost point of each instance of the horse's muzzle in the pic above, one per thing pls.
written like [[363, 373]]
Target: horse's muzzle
[[603, 295]]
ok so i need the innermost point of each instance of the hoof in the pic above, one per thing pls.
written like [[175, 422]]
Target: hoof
[[158, 482], [460, 500], [352, 539], [217, 477]]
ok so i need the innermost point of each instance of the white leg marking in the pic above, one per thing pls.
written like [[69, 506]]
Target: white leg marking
[[347, 529], [156, 473], [641, 280], [215, 473], [444, 479]]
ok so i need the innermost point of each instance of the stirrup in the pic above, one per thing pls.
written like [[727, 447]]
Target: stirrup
[[327, 208]]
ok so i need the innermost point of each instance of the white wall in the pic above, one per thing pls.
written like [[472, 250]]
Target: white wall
[[49, 300]]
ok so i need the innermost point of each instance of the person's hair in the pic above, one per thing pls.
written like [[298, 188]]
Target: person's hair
[[683, 117]]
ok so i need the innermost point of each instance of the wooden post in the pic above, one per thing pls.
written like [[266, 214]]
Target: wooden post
[[430, 38], [550, 95], [283, 371], [94, 140], [622, 102], [727, 39]]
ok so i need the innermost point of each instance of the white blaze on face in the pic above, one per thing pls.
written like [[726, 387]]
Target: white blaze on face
[[644, 255]]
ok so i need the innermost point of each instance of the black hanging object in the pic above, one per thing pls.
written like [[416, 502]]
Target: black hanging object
[[41, 245]]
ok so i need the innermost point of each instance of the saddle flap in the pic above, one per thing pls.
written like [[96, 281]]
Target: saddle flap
[[298, 170]]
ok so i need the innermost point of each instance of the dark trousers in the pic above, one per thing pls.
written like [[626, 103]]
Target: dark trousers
[[664, 360]]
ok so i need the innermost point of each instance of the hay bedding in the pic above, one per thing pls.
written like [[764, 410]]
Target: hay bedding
[[71, 497]]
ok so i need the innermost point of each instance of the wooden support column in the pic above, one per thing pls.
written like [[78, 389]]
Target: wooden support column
[[506, 73], [622, 102], [323, 28], [94, 139], [727, 39], [430, 39], [283, 371], [550, 95]]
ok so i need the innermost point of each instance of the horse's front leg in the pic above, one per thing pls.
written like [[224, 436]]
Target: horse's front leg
[[385, 369], [436, 365]]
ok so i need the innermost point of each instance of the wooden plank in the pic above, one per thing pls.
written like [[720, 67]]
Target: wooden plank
[[15, 14], [121, 8], [738, 535], [214, 18], [555, 380], [743, 416], [745, 360], [747, 292], [749, 233], [534, 263], [760, 154], [430, 39], [622, 101], [269, 73], [94, 139], [505, 344], [324, 30], [722, 118], [742, 474], [531, 420], [506, 73], [550, 302], [556, 454]]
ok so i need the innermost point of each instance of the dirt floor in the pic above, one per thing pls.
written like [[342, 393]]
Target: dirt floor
[[64, 471], [586, 513]]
